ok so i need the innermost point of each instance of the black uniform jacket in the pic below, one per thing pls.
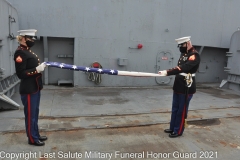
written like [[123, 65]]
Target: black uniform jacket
[[25, 63], [187, 63]]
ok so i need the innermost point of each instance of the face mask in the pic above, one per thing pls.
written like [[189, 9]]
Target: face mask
[[183, 49], [30, 43]]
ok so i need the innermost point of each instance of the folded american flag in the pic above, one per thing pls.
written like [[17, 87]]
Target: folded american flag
[[100, 70]]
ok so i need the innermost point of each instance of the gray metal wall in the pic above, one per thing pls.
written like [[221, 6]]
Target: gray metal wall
[[209, 22], [233, 63], [7, 46], [9, 25], [103, 31], [213, 61]]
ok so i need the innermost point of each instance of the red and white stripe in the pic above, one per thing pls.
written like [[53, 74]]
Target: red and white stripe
[[29, 118]]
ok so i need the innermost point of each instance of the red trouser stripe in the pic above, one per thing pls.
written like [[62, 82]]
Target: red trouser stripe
[[29, 119], [183, 118]]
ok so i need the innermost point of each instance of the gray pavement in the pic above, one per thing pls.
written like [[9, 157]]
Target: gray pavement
[[128, 120]]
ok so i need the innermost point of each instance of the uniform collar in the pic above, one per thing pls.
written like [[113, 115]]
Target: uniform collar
[[23, 47]]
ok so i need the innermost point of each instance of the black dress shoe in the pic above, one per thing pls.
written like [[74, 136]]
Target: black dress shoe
[[42, 138], [173, 135], [38, 143], [168, 131]]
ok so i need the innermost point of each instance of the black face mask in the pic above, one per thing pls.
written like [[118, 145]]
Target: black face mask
[[30, 43], [183, 49]]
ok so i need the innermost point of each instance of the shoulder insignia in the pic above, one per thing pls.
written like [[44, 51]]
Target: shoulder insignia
[[19, 59], [192, 58]]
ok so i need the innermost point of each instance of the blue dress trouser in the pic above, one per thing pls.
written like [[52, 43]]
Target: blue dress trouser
[[179, 112], [31, 110]]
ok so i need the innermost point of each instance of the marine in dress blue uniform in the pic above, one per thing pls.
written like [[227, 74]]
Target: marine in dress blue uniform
[[28, 69], [184, 85]]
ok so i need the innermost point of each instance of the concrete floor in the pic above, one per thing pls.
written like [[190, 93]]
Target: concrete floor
[[125, 123]]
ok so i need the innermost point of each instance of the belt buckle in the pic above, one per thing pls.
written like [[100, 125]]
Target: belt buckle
[[188, 79]]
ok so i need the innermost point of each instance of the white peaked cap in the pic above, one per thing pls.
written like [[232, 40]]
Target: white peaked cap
[[28, 32], [183, 39]]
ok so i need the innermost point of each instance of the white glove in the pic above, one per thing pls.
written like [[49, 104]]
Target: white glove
[[163, 73], [41, 67]]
